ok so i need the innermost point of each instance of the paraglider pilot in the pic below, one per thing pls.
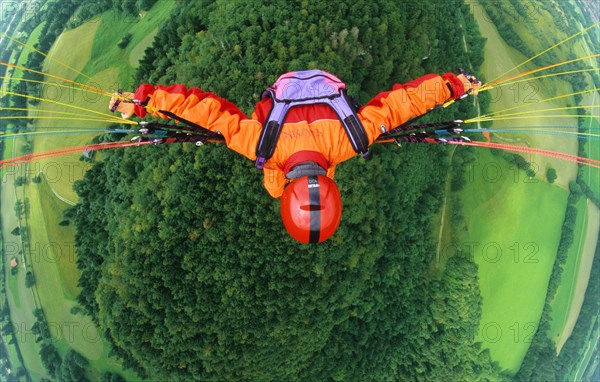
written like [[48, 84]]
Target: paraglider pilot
[[303, 127]]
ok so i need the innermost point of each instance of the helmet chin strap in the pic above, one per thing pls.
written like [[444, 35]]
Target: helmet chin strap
[[306, 169]]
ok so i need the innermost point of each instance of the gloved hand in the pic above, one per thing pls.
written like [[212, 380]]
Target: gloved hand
[[471, 83], [126, 108]]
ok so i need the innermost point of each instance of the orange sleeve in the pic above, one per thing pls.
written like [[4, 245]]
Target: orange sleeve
[[404, 102], [202, 108]]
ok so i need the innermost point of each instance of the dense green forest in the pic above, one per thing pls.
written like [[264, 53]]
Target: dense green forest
[[185, 264]]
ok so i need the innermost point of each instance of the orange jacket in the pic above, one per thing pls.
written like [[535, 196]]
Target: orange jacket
[[312, 128]]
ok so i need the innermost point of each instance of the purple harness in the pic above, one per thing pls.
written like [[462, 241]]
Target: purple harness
[[308, 87]]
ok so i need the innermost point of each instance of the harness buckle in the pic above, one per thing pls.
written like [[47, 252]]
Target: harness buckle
[[260, 162]]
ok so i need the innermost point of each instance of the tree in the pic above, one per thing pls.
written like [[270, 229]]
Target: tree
[[51, 359], [125, 41], [29, 279], [111, 377], [19, 208], [77, 310], [21, 372], [551, 175], [20, 181], [575, 189], [73, 367], [145, 5], [7, 329]]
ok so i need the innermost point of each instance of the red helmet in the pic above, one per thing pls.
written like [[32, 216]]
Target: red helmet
[[311, 208]]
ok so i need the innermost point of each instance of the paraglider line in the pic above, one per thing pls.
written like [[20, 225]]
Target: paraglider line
[[547, 50]]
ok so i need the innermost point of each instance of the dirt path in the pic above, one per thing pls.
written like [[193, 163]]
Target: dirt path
[[447, 190], [583, 273], [443, 220], [60, 197]]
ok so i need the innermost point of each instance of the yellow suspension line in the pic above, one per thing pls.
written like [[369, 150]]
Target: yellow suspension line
[[510, 78], [545, 110], [67, 87], [547, 50], [2, 136], [558, 131], [500, 84], [52, 112], [115, 118], [45, 55], [501, 118], [544, 100], [11, 79], [58, 78], [69, 118], [102, 92], [540, 129]]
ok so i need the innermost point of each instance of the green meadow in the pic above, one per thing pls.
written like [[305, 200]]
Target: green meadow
[[20, 299], [56, 274], [592, 175], [528, 96], [99, 63], [513, 232], [514, 222], [561, 304], [91, 49], [592, 119]]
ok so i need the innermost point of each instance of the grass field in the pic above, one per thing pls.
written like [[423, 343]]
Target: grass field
[[515, 222], [443, 229], [13, 355], [513, 231], [51, 209], [564, 295], [592, 175], [20, 299], [56, 281], [64, 171], [500, 59], [91, 48], [106, 67], [11, 349], [22, 59], [137, 53], [582, 277], [107, 54]]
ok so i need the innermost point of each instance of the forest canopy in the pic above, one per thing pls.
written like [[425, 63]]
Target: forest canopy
[[186, 266]]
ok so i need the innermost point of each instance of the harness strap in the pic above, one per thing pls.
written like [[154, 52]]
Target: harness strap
[[270, 132], [195, 127], [338, 102], [352, 125]]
